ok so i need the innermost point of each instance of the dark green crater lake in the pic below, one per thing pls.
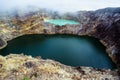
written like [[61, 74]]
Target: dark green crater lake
[[67, 49]]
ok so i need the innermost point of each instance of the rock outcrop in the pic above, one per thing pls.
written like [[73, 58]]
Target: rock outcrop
[[2, 43], [21, 67]]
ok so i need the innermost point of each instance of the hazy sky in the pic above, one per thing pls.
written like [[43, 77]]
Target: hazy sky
[[61, 5]]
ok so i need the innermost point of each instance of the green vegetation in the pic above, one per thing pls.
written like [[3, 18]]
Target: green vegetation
[[26, 78]]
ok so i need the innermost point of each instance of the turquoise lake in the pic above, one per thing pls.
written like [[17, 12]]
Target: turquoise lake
[[62, 22], [67, 49]]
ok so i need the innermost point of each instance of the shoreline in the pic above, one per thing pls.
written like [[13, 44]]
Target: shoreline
[[97, 24]]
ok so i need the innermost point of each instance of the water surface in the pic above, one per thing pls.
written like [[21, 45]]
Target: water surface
[[67, 49], [61, 22]]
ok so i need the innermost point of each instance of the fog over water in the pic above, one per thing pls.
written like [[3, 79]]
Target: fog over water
[[60, 5]]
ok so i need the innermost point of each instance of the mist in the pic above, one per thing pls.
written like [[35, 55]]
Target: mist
[[59, 5]]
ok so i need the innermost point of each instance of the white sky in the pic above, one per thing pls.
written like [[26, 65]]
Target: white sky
[[61, 5]]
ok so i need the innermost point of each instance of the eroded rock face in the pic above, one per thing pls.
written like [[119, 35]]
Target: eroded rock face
[[103, 24], [2, 43]]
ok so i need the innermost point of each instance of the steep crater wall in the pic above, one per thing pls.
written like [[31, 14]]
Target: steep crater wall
[[103, 24]]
